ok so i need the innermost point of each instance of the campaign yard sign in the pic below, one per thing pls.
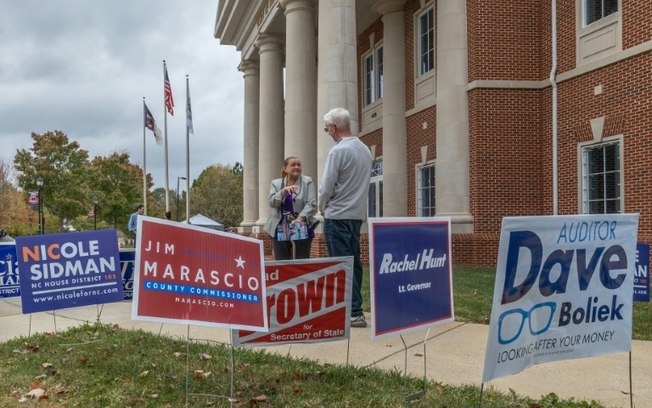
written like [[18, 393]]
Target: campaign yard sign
[[74, 269], [192, 275], [563, 290], [411, 274], [9, 279], [642, 274], [127, 261], [308, 301]]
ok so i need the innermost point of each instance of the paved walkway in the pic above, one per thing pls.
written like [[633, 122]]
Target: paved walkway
[[454, 354]]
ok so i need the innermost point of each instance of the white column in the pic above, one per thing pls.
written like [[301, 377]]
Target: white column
[[394, 124], [251, 116], [337, 72], [452, 165], [301, 83], [270, 152]]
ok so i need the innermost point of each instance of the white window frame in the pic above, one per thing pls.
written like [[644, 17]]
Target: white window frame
[[424, 83], [420, 189], [600, 38], [585, 3], [372, 111], [420, 37], [584, 176], [377, 181], [377, 78]]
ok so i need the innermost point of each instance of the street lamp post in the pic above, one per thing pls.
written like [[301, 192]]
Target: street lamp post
[[41, 221], [178, 178], [94, 212]]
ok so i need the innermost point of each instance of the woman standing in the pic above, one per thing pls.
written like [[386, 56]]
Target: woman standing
[[294, 203]]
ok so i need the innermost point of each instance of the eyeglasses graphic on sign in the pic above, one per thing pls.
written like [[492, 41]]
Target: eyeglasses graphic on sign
[[511, 322]]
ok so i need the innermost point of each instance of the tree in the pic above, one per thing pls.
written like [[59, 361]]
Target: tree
[[116, 184], [16, 216], [63, 166], [217, 193]]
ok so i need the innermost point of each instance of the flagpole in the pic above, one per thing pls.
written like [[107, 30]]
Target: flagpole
[[144, 158], [165, 125], [188, 124]]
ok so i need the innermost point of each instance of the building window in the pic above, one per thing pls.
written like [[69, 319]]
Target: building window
[[426, 191], [601, 171], [595, 10], [376, 189], [373, 75], [426, 42]]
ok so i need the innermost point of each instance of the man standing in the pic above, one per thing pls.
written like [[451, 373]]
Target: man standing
[[133, 222], [343, 199]]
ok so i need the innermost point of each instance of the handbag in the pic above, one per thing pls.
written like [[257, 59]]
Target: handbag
[[291, 232]]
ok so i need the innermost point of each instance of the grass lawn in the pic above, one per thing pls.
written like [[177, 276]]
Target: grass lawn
[[105, 366]]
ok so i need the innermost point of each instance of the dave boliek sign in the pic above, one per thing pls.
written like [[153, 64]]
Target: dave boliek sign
[[308, 301], [193, 275], [563, 290]]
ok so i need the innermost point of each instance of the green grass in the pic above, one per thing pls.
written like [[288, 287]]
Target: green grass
[[104, 366]]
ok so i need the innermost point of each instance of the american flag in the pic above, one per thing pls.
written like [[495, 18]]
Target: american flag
[[169, 101], [151, 125], [189, 114]]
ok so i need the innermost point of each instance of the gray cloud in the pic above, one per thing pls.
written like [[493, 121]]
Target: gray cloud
[[83, 67]]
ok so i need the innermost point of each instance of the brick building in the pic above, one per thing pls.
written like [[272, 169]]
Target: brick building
[[472, 109]]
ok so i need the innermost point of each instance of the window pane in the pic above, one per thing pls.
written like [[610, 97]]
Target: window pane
[[595, 10], [380, 198], [426, 42], [426, 191], [601, 181], [369, 79], [372, 200], [379, 85], [610, 7]]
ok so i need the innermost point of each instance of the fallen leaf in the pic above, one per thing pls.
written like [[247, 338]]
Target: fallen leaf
[[418, 354], [154, 395], [22, 399], [36, 393], [144, 373], [41, 377], [177, 354], [624, 392], [84, 358], [47, 365], [59, 389], [233, 400], [204, 357]]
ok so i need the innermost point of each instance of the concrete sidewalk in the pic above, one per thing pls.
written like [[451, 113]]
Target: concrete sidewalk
[[454, 354]]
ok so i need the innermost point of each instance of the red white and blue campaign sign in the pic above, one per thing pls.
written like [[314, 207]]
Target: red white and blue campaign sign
[[193, 275], [9, 279], [411, 274], [68, 270], [308, 301], [563, 290], [642, 274]]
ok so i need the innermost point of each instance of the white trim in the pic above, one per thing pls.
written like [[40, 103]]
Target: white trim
[[425, 85], [417, 167]]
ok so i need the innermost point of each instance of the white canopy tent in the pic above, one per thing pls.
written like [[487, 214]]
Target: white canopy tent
[[203, 221]]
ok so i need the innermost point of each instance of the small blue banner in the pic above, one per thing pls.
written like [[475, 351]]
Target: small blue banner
[[60, 271], [642, 273], [9, 280]]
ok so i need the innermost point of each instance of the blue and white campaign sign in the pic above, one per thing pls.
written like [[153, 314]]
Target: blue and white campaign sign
[[68, 270], [411, 274], [9, 279], [642, 274], [127, 262], [563, 290]]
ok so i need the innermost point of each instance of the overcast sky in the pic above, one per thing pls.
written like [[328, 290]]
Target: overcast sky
[[83, 67]]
